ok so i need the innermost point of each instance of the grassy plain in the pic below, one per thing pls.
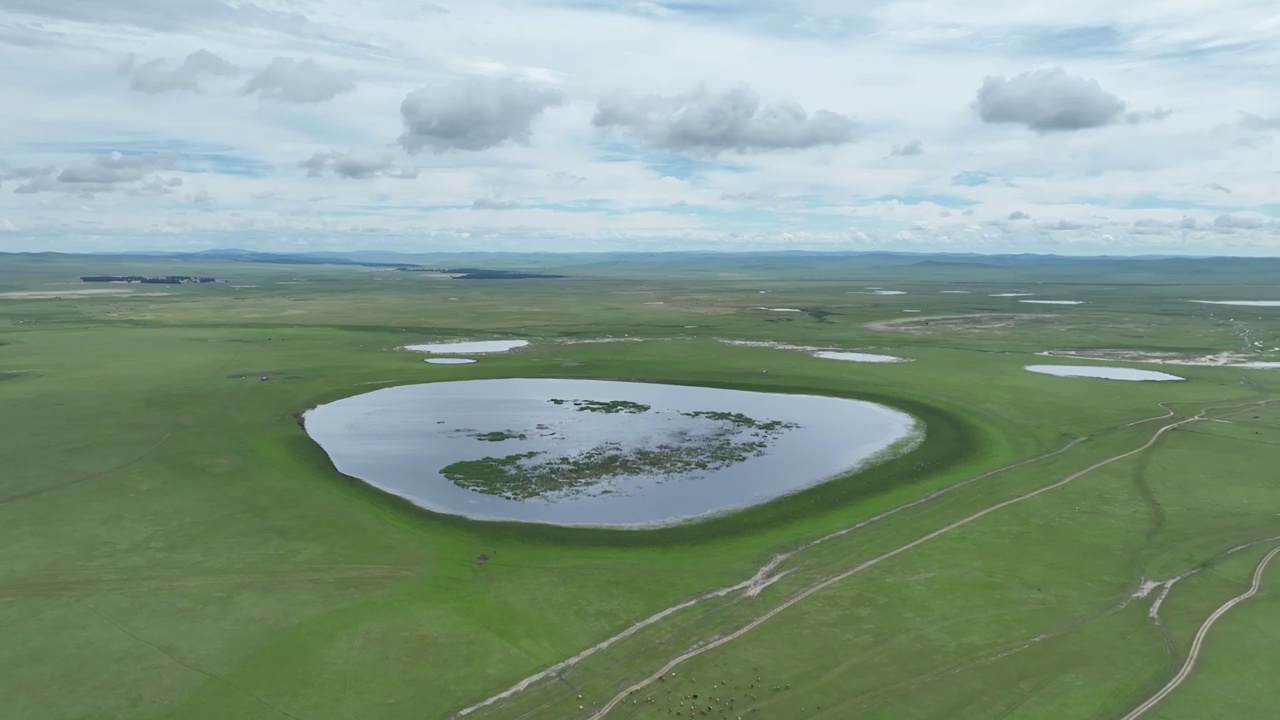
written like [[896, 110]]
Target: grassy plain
[[173, 546]]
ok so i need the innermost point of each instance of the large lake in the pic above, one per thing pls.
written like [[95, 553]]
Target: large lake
[[751, 447]]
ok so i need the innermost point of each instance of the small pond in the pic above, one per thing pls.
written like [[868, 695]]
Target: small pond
[[449, 361], [1053, 302], [1244, 303], [1102, 372], [467, 348], [859, 357], [602, 453]]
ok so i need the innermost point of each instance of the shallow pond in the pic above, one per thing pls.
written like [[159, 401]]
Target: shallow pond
[[1053, 302], [1102, 372], [466, 348], [590, 452], [1245, 303], [859, 357], [449, 361]]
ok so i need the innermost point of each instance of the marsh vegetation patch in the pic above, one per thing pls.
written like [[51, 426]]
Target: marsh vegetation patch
[[984, 323]]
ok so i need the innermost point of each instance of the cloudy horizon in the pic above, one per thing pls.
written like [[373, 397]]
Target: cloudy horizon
[[588, 125]]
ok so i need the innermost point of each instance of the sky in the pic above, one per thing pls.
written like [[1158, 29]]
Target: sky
[[990, 126]]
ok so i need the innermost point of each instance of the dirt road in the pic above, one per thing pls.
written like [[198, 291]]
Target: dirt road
[[677, 661], [1198, 642], [753, 585]]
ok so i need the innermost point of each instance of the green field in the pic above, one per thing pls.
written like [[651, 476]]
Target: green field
[[173, 546]]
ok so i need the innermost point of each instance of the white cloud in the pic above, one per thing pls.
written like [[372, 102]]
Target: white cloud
[[356, 166], [705, 121], [297, 82], [474, 114], [104, 173], [158, 76], [494, 204], [507, 99], [1047, 100], [911, 149], [204, 201]]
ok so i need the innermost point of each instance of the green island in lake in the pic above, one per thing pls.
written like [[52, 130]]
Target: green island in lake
[[733, 438]]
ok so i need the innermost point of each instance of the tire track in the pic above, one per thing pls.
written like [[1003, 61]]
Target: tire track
[[761, 578], [701, 649], [1198, 642]]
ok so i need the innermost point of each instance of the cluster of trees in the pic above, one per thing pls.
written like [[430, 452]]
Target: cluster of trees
[[166, 280]]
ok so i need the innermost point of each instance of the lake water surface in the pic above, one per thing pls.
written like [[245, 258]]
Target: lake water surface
[[858, 357], [1243, 303], [400, 439], [1102, 372], [467, 348]]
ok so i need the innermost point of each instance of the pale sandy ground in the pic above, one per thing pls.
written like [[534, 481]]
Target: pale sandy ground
[[73, 294]]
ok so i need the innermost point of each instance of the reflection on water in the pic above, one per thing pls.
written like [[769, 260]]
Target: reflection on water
[[399, 439]]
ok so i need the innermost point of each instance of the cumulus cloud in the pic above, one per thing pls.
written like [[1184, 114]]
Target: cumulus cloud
[[297, 82], [204, 201], [1019, 215], [566, 179], [1238, 222], [971, 178], [105, 173], [26, 173], [490, 203], [1249, 121], [709, 122], [911, 149], [1145, 116], [355, 166], [8, 226], [750, 196], [473, 114], [158, 76], [1050, 100], [1219, 188]]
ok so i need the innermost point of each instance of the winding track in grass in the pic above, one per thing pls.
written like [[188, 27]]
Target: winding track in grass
[[704, 648], [763, 577], [1198, 642], [754, 584]]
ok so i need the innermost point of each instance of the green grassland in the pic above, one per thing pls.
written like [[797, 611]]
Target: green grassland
[[173, 546]]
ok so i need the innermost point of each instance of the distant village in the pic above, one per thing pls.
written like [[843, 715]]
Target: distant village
[[166, 280]]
